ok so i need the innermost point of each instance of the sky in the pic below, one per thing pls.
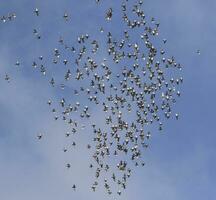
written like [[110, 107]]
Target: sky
[[180, 163]]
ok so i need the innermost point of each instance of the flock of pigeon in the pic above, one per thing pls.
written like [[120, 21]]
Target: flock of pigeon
[[133, 88]]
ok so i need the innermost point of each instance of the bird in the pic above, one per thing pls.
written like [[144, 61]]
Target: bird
[[7, 78], [66, 16], [36, 11], [74, 187], [198, 52], [17, 63], [39, 136], [68, 165], [109, 14]]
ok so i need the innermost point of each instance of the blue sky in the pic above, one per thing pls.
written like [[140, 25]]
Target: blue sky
[[180, 163]]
